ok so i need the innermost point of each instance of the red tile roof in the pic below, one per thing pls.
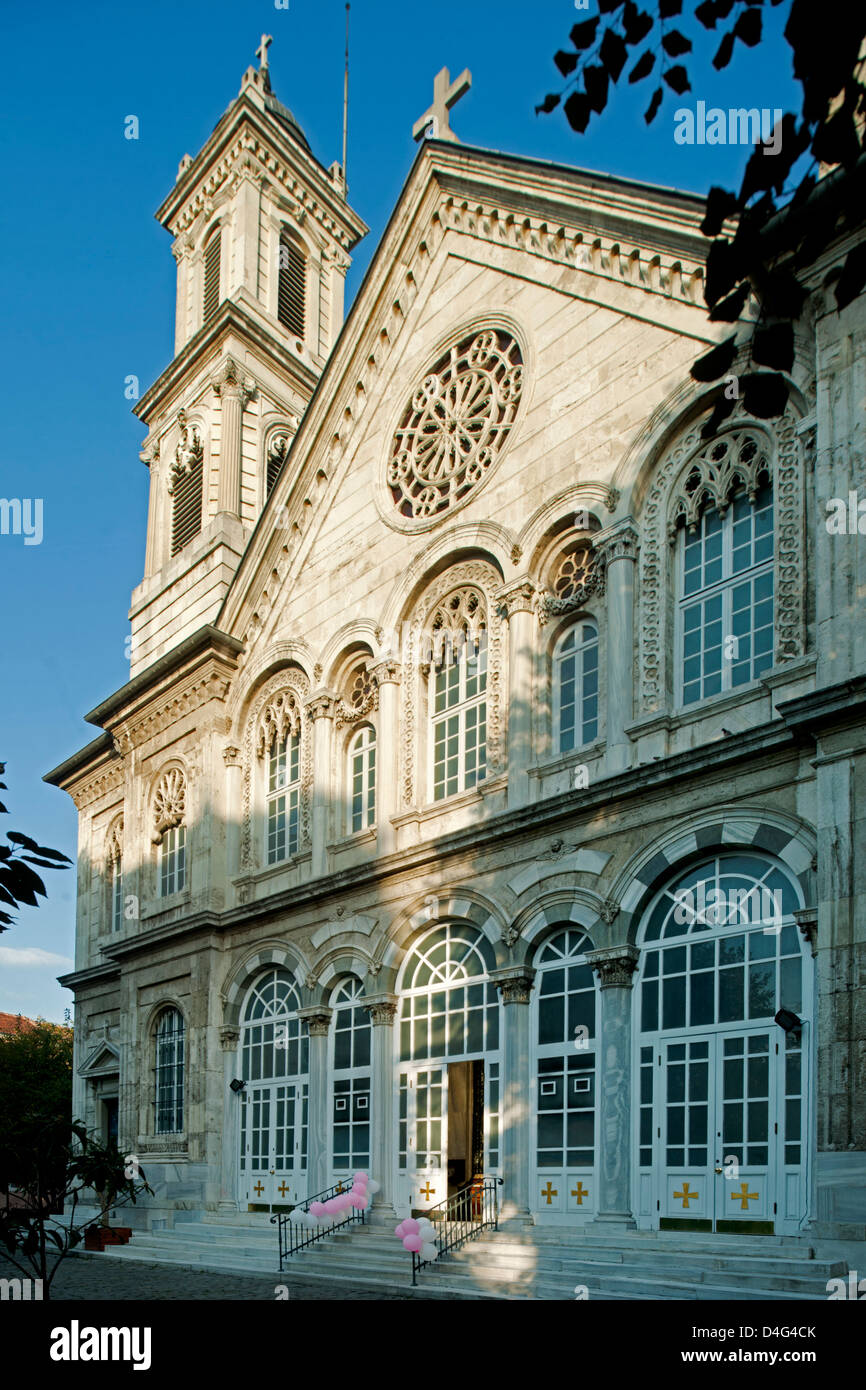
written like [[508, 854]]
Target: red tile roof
[[15, 1023]]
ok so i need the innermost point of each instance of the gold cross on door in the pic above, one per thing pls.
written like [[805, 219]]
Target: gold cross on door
[[427, 1192], [549, 1192], [258, 1189], [745, 1196], [687, 1196], [580, 1192]]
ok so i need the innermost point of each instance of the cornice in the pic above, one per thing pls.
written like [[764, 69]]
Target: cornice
[[208, 643]]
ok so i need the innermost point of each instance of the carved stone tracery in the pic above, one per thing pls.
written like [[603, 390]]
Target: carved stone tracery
[[274, 713], [362, 697], [455, 425], [169, 802], [578, 575], [188, 454]]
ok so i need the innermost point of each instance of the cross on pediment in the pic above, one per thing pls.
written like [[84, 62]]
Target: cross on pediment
[[262, 51], [434, 124]]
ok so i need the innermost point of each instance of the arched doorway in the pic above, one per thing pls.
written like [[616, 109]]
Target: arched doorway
[[723, 1092], [275, 1070], [565, 1033], [449, 1071]]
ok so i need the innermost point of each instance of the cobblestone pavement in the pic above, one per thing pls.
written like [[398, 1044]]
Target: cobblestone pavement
[[93, 1278]]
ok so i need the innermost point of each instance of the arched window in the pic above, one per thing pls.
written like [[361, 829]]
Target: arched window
[[566, 1042], [211, 293], [283, 796], [351, 1080], [575, 687], [292, 290], [725, 569], [362, 779], [170, 1037], [447, 1009], [115, 876], [169, 810], [458, 694], [274, 1042]]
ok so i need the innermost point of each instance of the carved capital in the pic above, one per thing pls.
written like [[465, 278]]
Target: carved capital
[[322, 705], [229, 1038], [614, 965], [620, 542], [609, 910], [389, 671], [382, 1009], [514, 983], [232, 756], [318, 1020], [229, 381], [807, 920], [516, 597]]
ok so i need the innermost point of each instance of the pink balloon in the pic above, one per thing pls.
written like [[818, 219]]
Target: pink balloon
[[359, 1177], [317, 1208], [410, 1226], [400, 1230], [330, 1206], [360, 1202], [413, 1243]]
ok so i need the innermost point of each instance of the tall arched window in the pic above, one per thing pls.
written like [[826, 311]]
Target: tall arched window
[[169, 810], [725, 569], [566, 1004], [575, 687], [362, 779], [274, 1102], [292, 289], [114, 858], [284, 790], [170, 1038], [351, 1079], [211, 291], [458, 694], [274, 1042]]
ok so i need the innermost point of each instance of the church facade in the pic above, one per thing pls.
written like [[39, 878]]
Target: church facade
[[487, 793]]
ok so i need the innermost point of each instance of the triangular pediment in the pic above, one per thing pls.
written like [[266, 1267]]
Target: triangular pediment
[[104, 1060]]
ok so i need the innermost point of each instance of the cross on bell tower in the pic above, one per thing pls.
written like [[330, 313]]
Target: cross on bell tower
[[445, 95], [262, 51]]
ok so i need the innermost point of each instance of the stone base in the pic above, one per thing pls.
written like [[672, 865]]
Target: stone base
[[610, 1223]]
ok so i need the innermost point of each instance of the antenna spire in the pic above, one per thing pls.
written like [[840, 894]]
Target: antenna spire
[[346, 101]]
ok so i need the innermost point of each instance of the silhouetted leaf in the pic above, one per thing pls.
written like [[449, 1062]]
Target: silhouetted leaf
[[53, 854], [773, 346], [669, 8], [652, 110], [637, 24], [550, 103], [765, 395], [613, 53], [716, 362], [725, 269], [595, 80], [583, 35], [730, 308], [720, 205], [566, 62], [643, 67], [677, 79], [720, 412], [748, 27], [24, 840], [608, 6], [723, 53], [706, 14], [782, 296], [836, 140], [43, 863], [675, 44], [578, 111], [853, 278]]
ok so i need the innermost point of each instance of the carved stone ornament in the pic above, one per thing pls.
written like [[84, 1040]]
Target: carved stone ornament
[[807, 920], [514, 983], [609, 911], [231, 756], [382, 1011], [231, 381], [361, 699], [318, 1021], [614, 965], [280, 718], [229, 1038], [736, 460], [510, 936], [577, 576], [188, 454], [169, 802], [455, 425], [114, 845]]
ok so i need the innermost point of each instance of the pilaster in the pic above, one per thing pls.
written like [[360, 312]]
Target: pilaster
[[615, 967]]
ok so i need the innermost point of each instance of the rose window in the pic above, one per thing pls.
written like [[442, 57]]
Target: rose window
[[574, 572], [455, 424]]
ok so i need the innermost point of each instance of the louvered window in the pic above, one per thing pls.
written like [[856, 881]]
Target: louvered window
[[211, 275], [292, 287], [186, 517], [276, 459]]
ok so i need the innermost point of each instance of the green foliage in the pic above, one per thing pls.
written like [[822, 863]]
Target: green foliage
[[18, 882], [35, 1096]]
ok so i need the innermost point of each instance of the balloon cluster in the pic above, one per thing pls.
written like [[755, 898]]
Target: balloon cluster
[[418, 1237], [357, 1196]]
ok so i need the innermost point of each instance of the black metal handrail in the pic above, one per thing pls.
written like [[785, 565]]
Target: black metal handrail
[[293, 1237], [463, 1216]]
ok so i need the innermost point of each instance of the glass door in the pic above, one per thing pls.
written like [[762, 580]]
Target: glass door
[[273, 1144], [423, 1136]]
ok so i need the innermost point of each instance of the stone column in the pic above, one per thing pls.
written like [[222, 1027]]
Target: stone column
[[382, 1009], [515, 988], [232, 814], [234, 394], [153, 551], [619, 547], [615, 966], [321, 709], [318, 1025], [231, 1102], [387, 677], [517, 599]]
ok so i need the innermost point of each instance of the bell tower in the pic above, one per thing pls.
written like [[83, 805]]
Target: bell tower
[[262, 240]]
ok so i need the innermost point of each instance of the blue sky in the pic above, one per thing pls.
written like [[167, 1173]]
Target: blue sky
[[88, 289]]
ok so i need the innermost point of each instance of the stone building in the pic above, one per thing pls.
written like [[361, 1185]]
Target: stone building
[[490, 775]]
